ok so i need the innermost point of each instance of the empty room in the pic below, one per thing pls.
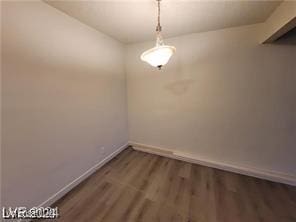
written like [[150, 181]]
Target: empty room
[[148, 111]]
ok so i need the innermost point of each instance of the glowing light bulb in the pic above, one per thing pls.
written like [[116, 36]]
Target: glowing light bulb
[[159, 55]]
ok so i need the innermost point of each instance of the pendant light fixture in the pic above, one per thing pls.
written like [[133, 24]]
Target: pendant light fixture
[[159, 55]]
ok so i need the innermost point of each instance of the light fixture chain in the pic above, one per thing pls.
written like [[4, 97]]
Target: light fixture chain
[[158, 27]]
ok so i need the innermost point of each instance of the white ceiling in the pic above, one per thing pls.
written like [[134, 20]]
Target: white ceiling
[[132, 21]]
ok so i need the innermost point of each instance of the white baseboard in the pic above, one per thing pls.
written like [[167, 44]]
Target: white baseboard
[[53, 198], [271, 175]]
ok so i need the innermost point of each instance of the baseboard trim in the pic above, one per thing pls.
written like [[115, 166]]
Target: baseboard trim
[[274, 176], [53, 198]]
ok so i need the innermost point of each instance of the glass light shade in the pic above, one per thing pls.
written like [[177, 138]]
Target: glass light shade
[[159, 55]]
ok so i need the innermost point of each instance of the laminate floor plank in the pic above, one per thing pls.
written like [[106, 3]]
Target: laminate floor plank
[[141, 187]]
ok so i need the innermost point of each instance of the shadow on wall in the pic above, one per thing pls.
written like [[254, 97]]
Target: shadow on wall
[[287, 39]]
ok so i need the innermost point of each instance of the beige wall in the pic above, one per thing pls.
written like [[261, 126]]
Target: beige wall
[[64, 97], [223, 97], [279, 22]]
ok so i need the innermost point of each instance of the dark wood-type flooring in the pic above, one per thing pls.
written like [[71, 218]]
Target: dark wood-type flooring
[[137, 186]]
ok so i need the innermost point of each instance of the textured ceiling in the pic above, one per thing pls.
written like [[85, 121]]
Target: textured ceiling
[[132, 21]]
